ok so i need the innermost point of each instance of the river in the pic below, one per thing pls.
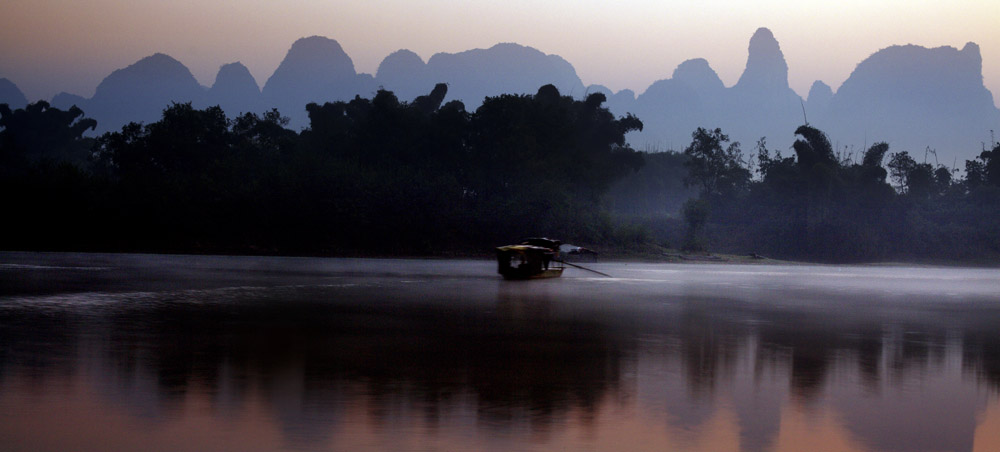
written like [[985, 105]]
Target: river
[[105, 352]]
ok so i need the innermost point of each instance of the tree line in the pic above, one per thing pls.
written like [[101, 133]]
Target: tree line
[[380, 176], [821, 205], [367, 176]]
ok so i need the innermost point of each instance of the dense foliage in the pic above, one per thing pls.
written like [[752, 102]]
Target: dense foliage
[[822, 206], [383, 176], [367, 176]]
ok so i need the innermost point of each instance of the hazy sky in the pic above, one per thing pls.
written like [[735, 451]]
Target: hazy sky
[[47, 46]]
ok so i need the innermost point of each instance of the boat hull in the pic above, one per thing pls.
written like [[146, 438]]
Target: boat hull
[[519, 275]]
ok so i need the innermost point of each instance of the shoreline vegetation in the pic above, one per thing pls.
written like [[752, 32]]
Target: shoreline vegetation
[[382, 177]]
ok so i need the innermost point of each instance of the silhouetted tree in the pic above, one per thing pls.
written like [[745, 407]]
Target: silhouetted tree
[[943, 178], [545, 157], [900, 166], [874, 156], [868, 180], [975, 174], [40, 132], [813, 148], [920, 181], [817, 163], [713, 166], [991, 165], [431, 102]]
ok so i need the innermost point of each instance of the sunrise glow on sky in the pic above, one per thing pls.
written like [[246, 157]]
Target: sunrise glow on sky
[[47, 46]]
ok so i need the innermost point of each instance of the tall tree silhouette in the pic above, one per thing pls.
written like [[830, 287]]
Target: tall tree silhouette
[[41, 132], [713, 166]]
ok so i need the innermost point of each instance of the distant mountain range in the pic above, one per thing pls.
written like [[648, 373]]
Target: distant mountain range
[[910, 96]]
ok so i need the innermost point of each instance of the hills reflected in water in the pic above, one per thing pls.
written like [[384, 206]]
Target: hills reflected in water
[[328, 352]]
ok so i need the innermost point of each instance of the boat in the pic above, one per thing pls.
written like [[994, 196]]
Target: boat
[[532, 258]]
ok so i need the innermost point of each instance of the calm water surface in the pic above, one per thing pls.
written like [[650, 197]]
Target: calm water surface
[[147, 352]]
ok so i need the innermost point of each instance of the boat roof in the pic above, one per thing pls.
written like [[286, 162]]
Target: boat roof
[[541, 241], [524, 248]]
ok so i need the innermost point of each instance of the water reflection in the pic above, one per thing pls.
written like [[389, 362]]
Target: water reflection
[[258, 354]]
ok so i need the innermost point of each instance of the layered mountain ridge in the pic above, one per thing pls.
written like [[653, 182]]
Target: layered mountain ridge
[[909, 96]]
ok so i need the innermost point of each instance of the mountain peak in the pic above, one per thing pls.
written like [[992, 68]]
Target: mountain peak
[[235, 89], [912, 72], [157, 64], [320, 50], [158, 58], [11, 95], [699, 75], [158, 67], [766, 68], [971, 52], [819, 97], [763, 34], [971, 49], [315, 61], [315, 69], [922, 96], [315, 44], [819, 91], [141, 91], [402, 60], [233, 74], [505, 68], [404, 73]]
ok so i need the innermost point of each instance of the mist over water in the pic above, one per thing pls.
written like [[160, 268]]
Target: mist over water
[[127, 352]]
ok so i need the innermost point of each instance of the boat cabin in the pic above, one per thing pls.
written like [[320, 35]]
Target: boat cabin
[[531, 259]]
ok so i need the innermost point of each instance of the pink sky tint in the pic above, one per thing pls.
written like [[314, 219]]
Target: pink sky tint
[[47, 46]]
